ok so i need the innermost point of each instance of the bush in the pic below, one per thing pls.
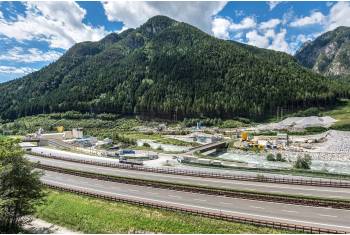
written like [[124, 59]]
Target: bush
[[107, 116], [303, 162], [279, 158], [146, 145], [270, 157], [313, 111]]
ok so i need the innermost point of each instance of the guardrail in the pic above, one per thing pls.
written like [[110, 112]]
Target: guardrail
[[213, 215], [265, 179], [290, 199]]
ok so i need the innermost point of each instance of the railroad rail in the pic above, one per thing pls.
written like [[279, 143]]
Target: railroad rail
[[213, 215], [173, 171], [289, 199]]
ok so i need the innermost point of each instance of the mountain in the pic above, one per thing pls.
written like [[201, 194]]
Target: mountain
[[167, 69], [328, 54]]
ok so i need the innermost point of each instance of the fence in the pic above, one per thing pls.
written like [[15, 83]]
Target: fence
[[221, 216], [265, 179]]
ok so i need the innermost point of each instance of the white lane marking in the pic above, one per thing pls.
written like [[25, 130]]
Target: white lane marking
[[153, 193], [174, 196], [226, 203], [257, 207], [200, 200], [333, 216], [290, 211], [133, 190], [208, 208], [238, 183]]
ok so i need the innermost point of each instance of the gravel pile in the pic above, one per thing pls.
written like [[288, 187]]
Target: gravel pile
[[292, 123]]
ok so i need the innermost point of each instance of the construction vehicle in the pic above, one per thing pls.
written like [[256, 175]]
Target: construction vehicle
[[60, 129], [244, 136]]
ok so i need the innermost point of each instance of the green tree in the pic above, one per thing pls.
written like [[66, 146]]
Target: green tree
[[20, 187]]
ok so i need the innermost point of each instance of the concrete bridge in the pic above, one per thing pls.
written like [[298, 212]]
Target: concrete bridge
[[207, 147]]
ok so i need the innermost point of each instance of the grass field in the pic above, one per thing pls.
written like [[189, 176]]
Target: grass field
[[90, 215], [342, 114]]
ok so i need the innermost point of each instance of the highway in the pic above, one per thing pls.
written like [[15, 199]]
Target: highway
[[80, 156], [337, 193], [294, 214]]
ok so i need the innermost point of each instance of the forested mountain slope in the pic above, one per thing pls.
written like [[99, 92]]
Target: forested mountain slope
[[170, 70], [329, 54]]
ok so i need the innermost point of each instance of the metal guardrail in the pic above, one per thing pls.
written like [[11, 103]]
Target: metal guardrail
[[339, 204], [213, 215], [265, 179]]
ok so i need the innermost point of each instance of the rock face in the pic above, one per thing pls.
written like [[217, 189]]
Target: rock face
[[329, 54]]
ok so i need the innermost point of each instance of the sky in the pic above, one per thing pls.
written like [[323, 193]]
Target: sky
[[35, 34]]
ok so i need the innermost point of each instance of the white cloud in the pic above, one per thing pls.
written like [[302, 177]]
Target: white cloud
[[256, 39], [1, 15], [269, 39], [18, 54], [273, 4], [315, 18], [279, 42], [221, 27], [16, 70], [58, 23], [246, 23], [133, 14], [270, 24], [339, 15]]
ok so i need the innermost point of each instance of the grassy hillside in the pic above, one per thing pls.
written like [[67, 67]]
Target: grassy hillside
[[96, 216], [342, 114]]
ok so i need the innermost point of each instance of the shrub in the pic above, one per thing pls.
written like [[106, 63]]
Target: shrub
[[270, 157], [313, 111], [303, 162], [146, 145], [279, 158]]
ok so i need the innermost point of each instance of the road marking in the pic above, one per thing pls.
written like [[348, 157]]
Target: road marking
[[174, 196], [226, 203], [290, 211], [133, 190], [257, 207], [201, 200], [153, 193], [333, 216], [276, 192], [194, 206]]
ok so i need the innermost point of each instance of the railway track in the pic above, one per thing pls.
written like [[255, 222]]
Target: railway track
[[265, 179], [288, 199]]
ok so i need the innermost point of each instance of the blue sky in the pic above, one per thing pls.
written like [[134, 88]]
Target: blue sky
[[34, 34]]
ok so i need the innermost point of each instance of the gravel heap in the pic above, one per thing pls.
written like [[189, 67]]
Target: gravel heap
[[299, 123]]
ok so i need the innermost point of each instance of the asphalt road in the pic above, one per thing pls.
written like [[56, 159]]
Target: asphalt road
[[337, 193], [294, 214], [66, 154]]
